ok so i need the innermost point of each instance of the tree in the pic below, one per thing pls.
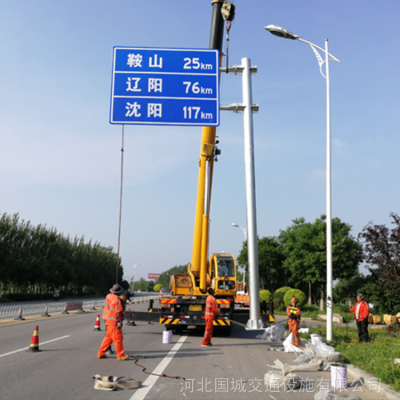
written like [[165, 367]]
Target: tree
[[36, 259], [304, 248], [165, 277], [270, 263], [382, 253], [349, 287]]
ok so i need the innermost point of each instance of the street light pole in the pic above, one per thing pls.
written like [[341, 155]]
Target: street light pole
[[134, 266], [284, 33], [244, 230]]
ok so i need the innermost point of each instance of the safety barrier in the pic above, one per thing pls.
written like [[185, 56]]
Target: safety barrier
[[21, 311], [72, 306]]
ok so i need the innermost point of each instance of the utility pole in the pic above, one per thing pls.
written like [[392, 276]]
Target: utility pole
[[247, 108]]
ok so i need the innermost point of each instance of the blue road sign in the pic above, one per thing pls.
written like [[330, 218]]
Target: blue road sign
[[156, 86]]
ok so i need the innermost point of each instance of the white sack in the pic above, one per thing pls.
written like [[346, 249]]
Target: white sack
[[324, 395], [322, 348], [273, 332], [314, 365], [302, 358], [275, 381]]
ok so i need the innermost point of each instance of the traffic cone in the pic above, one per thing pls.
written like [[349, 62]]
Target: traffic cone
[[35, 341], [97, 324]]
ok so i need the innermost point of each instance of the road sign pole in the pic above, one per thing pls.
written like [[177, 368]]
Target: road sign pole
[[255, 322]]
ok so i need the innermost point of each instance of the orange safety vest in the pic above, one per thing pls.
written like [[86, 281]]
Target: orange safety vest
[[212, 309], [113, 310]]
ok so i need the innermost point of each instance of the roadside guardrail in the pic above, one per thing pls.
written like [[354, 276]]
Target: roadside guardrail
[[21, 310]]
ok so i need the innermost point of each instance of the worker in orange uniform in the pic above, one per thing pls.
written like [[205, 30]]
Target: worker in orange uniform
[[212, 310], [113, 313], [293, 312], [361, 311]]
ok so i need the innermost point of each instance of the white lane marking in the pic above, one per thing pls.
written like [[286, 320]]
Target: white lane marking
[[141, 393], [26, 348]]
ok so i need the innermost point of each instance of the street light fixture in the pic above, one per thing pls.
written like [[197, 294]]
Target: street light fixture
[[284, 33], [244, 230]]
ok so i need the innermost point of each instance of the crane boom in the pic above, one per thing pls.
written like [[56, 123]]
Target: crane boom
[[198, 266]]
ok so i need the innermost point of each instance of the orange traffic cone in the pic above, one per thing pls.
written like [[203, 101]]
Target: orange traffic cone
[[97, 324], [35, 340]]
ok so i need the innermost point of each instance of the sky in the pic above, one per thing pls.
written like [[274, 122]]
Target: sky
[[61, 158]]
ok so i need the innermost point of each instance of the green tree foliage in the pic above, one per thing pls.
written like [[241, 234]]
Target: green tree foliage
[[382, 253], [270, 260], [37, 259], [265, 295], [280, 293], [301, 297], [347, 288], [141, 285], [157, 287], [165, 277], [379, 296], [304, 248]]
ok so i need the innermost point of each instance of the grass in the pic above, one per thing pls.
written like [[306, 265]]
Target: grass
[[375, 358]]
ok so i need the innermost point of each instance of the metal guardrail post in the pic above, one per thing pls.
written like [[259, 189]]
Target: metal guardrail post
[[65, 309], [46, 313], [20, 316]]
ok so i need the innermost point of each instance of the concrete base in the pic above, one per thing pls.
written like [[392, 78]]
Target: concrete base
[[254, 325]]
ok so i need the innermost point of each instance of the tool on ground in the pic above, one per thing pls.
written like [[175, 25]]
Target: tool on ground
[[97, 324], [115, 383], [35, 340]]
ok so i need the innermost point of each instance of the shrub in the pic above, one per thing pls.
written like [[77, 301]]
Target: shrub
[[280, 293], [158, 287], [265, 295], [297, 293], [279, 305]]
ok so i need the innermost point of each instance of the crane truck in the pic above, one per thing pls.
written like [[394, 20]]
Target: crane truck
[[186, 304], [185, 307]]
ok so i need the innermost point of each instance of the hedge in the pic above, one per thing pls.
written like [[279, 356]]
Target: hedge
[[297, 293], [157, 287], [265, 295], [280, 293]]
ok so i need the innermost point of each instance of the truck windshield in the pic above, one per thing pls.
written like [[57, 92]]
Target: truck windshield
[[226, 268]]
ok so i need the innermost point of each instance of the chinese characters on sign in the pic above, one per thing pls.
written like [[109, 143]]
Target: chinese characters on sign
[[227, 385], [153, 276], [165, 86]]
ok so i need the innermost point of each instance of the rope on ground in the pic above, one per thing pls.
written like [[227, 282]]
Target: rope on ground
[[136, 358]]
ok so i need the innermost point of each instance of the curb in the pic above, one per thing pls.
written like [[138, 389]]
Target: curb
[[363, 376]]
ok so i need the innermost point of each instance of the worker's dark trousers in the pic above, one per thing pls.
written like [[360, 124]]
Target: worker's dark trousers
[[362, 327]]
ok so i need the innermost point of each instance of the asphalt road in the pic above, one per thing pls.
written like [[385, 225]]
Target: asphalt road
[[233, 367]]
